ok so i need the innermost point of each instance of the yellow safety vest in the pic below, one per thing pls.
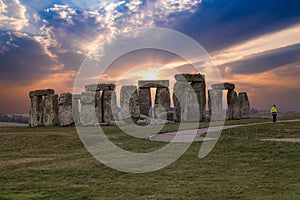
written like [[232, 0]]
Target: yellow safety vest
[[273, 110]]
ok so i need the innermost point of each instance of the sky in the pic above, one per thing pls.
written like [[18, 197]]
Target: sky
[[254, 44]]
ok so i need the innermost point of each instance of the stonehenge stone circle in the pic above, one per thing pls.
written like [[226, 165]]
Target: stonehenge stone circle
[[65, 111], [97, 104]]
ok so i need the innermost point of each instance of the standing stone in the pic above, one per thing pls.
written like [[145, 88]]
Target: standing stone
[[233, 105], [145, 101], [110, 109], [36, 111], [191, 110], [162, 103], [65, 112], [179, 99], [215, 105], [244, 105], [88, 109], [129, 102], [200, 89], [50, 110], [75, 107], [98, 107]]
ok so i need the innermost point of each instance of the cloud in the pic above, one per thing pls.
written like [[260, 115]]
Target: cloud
[[262, 62], [222, 23], [12, 15], [24, 61]]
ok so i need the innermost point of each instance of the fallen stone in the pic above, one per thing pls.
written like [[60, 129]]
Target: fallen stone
[[190, 78], [41, 92], [153, 84], [223, 86]]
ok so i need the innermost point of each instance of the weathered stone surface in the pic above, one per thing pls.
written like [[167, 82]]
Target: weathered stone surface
[[65, 112], [50, 110], [170, 116], [36, 111], [215, 105], [129, 102], [244, 105], [145, 101], [200, 89], [233, 105], [162, 103], [191, 110], [179, 99], [65, 99], [190, 77], [76, 96], [223, 86], [110, 109], [88, 109], [100, 87], [88, 98], [153, 84], [75, 108], [98, 107], [41, 92]]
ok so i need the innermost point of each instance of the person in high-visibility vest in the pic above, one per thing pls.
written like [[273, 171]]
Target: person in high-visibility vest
[[274, 113]]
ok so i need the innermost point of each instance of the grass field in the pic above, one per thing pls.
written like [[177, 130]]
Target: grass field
[[51, 163]]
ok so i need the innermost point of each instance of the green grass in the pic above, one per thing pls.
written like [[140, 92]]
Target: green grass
[[51, 163]]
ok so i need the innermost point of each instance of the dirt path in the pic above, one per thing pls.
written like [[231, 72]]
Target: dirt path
[[189, 135]]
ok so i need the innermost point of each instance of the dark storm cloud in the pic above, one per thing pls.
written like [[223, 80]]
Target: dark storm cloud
[[24, 61], [266, 61], [222, 23]]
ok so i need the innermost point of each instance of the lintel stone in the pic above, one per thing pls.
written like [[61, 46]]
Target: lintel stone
[[223, 86], [153, 83], [41, 92], [99, 87], [190, 77]]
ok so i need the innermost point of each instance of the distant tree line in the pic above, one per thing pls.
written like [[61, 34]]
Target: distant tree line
[[14, 118]]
